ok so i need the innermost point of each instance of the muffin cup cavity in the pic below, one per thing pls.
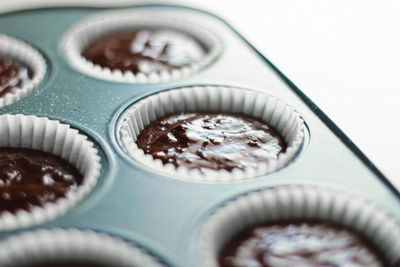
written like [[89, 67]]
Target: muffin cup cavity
[[25, 54], [284, 203], [74, 245], [88, 30], [40, 133], [260, 105]]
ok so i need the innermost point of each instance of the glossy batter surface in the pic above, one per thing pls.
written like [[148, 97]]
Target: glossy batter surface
[[12, 75], [144, 51], [300, 245], [210, 140], [32, 178]]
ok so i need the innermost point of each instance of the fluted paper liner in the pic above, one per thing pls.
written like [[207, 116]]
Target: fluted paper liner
[[257, 104], [83, 33], [50, 136], [298, 203], [28, 56], [72, 244]]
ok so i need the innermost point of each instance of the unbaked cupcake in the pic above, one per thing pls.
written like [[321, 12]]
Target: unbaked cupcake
[[135, 47], [212, 134], [45, 168], [299, 226], [22, 68]]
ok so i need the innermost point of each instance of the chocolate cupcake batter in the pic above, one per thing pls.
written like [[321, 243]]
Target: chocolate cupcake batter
[[145, 51], [298, 244], [32, 178], [12, 75], [211, 140]]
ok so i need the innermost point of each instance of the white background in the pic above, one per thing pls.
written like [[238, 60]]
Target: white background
[[345, 55]]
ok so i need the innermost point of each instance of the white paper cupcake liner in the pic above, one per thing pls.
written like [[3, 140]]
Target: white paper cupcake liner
[[81, 34], [299, 203], [71, 244], [31, 58], [266, 107], [50, 136]]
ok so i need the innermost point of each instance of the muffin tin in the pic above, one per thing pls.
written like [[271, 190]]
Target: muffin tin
[[130, 201]]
